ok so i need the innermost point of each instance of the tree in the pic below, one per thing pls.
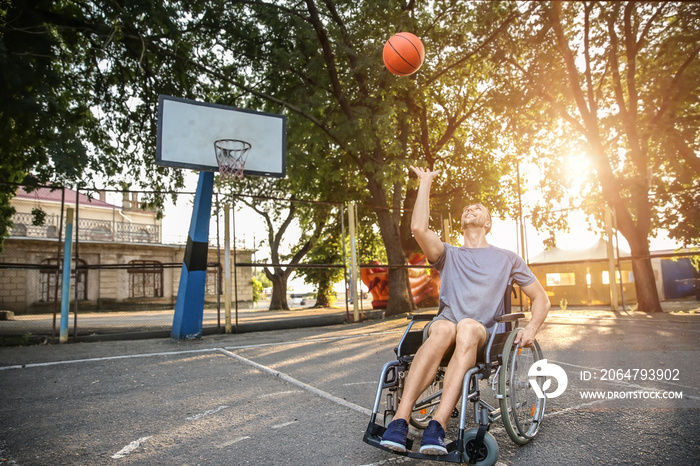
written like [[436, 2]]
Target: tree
[[318, 60], [322, 62], [280, 216], [80, 84], [327, 251], [625, 76]]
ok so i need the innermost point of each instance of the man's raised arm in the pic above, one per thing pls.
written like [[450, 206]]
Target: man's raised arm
[[429, 242]]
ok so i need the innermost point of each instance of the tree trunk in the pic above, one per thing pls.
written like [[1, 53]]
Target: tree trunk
[[644, 280], [645, 284], [400, 299], [324, 293], [278, 301], [637, 233]]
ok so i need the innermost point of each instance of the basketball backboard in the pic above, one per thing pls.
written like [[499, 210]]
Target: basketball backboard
[[187, 130]]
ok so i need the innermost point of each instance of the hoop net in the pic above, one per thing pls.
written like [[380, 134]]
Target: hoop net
[[231, 155]]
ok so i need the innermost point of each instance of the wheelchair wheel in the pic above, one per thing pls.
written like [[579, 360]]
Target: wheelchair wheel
[[487, 455], [521, 410], [426, 404]]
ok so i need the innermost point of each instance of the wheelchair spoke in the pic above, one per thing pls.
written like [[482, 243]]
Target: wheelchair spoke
[[521, 409]]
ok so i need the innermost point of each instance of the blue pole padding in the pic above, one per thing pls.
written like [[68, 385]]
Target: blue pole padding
[[189, 306], [65, 286]]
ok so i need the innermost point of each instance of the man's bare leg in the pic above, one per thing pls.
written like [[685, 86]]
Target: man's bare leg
[[471, 335], [425, 365]]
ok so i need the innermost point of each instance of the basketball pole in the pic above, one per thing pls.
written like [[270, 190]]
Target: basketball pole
[[235, 275], [65, 285], [189, 307], [227, 266]]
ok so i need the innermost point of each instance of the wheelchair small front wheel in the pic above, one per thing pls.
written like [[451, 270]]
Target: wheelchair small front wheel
[[521, 410], [486, 454]]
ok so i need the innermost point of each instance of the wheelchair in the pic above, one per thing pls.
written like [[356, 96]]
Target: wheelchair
[[500, 362]]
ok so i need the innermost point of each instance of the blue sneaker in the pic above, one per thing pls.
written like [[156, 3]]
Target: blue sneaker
[[433, 442], [395, 436]]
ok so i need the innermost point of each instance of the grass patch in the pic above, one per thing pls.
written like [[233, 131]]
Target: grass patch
[[15, 340]]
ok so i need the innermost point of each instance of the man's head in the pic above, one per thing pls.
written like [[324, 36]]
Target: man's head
[[476, 215]]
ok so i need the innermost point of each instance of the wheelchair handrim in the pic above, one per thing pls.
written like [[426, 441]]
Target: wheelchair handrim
[[537, 409], [520, 432]]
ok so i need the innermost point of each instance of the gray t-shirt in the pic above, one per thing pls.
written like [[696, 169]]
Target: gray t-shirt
[[474, 280]]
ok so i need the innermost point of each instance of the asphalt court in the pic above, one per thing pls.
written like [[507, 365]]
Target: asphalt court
[[303, 396]]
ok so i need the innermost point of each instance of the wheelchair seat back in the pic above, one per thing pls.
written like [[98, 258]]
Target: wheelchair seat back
[[409, 344]]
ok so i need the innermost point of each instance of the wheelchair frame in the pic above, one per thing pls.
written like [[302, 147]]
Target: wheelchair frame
[[476, 445]]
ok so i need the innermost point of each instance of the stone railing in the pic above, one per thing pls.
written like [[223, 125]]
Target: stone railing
[[88, 229]]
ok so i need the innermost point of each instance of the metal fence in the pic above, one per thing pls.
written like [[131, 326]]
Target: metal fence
[[124, 278], [147, 312], [104, 299]]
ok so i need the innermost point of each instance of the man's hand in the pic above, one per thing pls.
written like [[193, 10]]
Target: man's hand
[[540, 308], [526, 337], [423, 173]]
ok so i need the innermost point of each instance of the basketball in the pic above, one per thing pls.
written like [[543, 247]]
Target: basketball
[[403, 54]]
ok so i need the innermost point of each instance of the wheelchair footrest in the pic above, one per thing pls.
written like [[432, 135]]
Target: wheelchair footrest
[[373, 437]]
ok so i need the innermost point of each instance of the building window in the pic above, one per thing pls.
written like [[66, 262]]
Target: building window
[[561, 279], [625, 277], [50, 283], [145, 279]]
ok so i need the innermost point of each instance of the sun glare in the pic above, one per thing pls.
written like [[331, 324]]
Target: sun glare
[[577, 170]]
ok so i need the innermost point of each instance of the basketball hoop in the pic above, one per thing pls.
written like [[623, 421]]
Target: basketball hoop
[[231, 155]]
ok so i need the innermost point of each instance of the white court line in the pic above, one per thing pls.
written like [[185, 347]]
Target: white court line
[[206, 413], [231, 442], [267, 395], [313, 340], [285, 424], [175, 353], [299, 383], [107, 358], [129, 448]]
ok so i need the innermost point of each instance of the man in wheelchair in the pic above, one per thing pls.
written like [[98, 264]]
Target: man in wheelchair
[[474, 278]]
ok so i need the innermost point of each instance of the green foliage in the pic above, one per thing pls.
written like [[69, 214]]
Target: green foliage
[[262, 278], [10, 340], [257, 289], [38, 217], [328, 250], [618, 82], [622, 79], [81, 81]]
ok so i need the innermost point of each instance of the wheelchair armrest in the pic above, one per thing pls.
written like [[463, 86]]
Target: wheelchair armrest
[[509, 317], [421, 317]]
